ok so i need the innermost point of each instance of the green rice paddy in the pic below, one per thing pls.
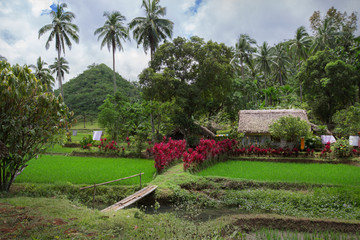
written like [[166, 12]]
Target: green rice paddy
[[86, 170], [338, 174]]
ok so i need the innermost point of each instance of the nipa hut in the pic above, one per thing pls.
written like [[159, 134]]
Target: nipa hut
[[255, 123]]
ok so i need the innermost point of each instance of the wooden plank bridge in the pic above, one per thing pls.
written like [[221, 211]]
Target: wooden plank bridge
[[131, 199]]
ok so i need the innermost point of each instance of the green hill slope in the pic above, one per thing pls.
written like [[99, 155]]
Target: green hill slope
[[86, 92]]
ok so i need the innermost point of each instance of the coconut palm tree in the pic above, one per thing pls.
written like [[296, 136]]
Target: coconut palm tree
[[264, 60], [152, 29], [60, 68], [280, 62], [62, 30], [301, 46], [243, 51], [112, 33], [43, 73], [326, 35]]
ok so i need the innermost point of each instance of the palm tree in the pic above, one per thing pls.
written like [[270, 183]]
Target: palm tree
[[325, 35], [151, 30], [281, 62], [112, 33], [62, 30], [60, 68], [301, 45], [43, 73], [264, 60], [243, 51]]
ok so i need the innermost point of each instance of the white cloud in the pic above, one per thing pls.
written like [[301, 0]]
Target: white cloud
[[221, 21]]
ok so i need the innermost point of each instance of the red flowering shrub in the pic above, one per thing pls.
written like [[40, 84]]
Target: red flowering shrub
[[206, 150], [166, 153], [326, 151], [108, 146]]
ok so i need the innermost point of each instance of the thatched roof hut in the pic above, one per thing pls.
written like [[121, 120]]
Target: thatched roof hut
[[258, 121]]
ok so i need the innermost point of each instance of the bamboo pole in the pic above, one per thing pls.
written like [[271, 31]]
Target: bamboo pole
[[99, 184]]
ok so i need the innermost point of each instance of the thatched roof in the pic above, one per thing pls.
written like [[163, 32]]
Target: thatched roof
[[258, 121]]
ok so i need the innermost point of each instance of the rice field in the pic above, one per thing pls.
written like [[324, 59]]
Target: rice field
[[85, 170], [338, 174]]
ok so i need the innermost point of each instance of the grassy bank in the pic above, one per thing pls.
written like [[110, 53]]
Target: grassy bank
[[85, 170], [286, 172]]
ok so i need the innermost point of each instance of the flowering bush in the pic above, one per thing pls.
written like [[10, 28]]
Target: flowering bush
[[342, 148], [206, 150], [356, 152], [326, 151], [87, 142], [166, 153], [109, 146]]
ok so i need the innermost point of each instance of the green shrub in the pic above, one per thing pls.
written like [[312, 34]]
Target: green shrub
[[313, 142], [87, 142], [342, 148], [289, 128]]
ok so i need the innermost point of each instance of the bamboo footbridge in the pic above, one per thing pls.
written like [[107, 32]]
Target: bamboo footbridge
[[131, 199], [128, 200]]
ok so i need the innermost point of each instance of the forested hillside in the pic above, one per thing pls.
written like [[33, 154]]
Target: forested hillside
[[86, 92]]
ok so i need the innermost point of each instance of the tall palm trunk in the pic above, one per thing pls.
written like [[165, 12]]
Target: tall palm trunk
[[152, 52], [301, 97], [114, 67], [266, 98], [59, 75]]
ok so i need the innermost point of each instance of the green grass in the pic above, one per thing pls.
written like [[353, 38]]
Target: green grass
[[286, 172], [60, 149], [89, 170]]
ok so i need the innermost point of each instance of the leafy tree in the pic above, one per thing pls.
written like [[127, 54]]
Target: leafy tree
[[43, 74], [329, 84], [333, 29], [347, 121], [196, 74], [152, 29], [2, 58], [30, 119], [290, 128], [108, 118], [63, 30], [112, 33], [123, 118]]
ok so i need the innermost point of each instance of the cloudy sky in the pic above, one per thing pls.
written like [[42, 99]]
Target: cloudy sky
[[222, 21]]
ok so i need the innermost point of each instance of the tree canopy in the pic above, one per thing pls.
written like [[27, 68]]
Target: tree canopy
[[196, 74], [30, 119]]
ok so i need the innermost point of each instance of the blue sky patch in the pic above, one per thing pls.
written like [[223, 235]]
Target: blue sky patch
[[193, 10]]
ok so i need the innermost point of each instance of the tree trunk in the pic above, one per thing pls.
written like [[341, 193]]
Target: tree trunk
[[114, 69], [242, 69], [59, 76], [152, 52], [265, 89]]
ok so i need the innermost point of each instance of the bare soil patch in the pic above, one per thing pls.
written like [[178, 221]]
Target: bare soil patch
[[251, 223]]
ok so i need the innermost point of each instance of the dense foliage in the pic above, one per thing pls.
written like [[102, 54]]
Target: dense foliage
[[290, 128], [194, 73], [30, 119], [347, 121]]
